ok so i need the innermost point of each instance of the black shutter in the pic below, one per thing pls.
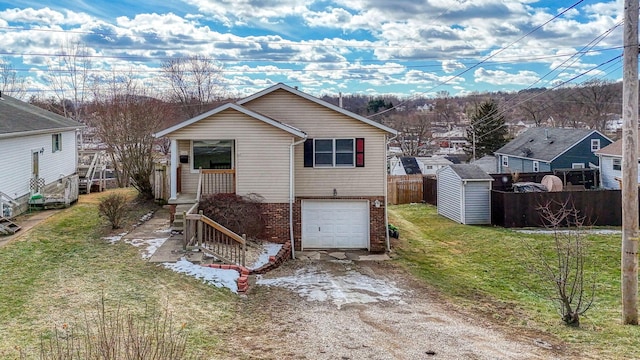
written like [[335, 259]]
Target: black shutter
[[359, 152], [308, 153]]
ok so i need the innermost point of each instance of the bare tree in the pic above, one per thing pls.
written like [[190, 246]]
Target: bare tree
[[446, 110], [562, 263], [414, 128], [10, 83], [597, 99], [195, 83], [125, 119], [69, 78]]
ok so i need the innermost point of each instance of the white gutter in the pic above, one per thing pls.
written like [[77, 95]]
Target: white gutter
[[292, 194], [386, 200]]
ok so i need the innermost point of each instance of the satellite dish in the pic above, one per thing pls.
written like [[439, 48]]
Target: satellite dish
[[552, 182]]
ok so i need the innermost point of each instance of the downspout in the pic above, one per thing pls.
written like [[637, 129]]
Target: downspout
[[386, 200], [292, 194]]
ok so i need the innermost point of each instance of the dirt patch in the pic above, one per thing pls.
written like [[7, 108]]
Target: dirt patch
[[366, 310]]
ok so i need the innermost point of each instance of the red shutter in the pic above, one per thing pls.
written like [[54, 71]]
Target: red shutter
[[359, 152]]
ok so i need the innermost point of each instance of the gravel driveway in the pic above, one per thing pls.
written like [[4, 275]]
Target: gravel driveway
[[365, 310]]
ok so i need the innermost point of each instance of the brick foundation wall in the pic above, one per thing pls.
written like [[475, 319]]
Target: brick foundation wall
[[276, 217]]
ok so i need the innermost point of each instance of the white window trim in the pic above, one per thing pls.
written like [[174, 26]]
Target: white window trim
[[191, 158], [577, 165], [536, 166], [505, 161], [59, 136], [595, 145], [619, 163], [333, 158]]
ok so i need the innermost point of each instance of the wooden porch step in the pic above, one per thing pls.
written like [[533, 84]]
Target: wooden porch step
[[8, 227]]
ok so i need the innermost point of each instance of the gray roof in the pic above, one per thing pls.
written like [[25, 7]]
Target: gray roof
[[543, 143], [21, 118], [487, 163], [470, 172]]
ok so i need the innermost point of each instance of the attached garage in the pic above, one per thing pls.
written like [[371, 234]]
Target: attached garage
[[335, 224]]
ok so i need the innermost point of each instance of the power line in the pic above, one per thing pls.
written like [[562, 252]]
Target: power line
[[488, 57]]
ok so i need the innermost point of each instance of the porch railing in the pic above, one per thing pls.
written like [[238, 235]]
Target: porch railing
[[218, 181], [206, 234]]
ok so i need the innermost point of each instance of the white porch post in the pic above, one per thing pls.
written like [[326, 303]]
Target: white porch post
[[174, 169]]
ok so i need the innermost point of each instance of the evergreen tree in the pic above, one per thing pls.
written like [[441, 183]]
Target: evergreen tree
[[490, 130]]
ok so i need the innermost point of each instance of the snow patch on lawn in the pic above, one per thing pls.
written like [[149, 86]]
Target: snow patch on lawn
[[216, 277], [269, 249], [115, 238], [351, 288], [150, 245]]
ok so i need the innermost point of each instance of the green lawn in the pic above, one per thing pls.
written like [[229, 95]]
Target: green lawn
[[62, 268], [484, 268]]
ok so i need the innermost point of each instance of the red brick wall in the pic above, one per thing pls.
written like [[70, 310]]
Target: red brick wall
[[277, 221]]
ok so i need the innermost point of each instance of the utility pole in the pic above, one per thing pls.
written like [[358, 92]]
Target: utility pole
[[629, 263]]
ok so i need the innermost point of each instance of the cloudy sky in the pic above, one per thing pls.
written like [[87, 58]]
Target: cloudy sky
[[367, 47]]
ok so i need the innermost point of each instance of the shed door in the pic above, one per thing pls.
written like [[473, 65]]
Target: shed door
[[335, 224]]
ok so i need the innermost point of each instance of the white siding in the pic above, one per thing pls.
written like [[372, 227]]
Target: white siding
[[608, 174], [15, 169], [477, 202], [449, 195], [261, 153], [320, 122]]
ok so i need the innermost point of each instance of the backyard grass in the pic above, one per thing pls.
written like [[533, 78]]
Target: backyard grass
[[484, 269], [61, 269]]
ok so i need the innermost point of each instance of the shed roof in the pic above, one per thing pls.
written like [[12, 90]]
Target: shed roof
[[20, 118], [544, 143], [470, 172]]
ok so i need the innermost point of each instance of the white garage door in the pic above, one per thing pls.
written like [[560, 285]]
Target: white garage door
[[335, 224]]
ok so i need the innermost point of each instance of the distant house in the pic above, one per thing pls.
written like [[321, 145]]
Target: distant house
[[611, 165], [39, 153], [546, 149], [409, 165], [320, 169]]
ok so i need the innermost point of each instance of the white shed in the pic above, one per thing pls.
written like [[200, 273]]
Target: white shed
[[464, 194]]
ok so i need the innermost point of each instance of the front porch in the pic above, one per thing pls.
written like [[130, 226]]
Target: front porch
[[209, 181]]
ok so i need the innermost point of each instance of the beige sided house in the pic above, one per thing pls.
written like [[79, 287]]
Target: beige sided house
[[321, 169]]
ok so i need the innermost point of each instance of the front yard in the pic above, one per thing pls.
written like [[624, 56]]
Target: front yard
[[61, 269], [483, 269]]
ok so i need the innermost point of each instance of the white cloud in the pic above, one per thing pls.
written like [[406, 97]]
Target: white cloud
[[499, 77], [450, 66]]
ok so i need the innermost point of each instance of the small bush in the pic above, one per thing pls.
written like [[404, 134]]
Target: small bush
[[117, 334], [240, 214], [113, 207]]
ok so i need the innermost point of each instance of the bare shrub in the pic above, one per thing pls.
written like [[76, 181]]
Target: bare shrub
[[114, 208], [117, 334], [240, 214], [561, 262]]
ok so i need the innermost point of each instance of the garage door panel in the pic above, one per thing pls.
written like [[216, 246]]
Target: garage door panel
[[335, 224]]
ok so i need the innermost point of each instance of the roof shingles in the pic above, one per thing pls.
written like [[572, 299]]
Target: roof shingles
[[18, 117]]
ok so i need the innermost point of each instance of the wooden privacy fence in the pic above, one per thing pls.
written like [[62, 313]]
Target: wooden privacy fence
[[404, 189], [598, 207]]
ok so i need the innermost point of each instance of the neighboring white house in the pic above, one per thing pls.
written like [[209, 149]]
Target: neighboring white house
[[39, 152], [611, 165]]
